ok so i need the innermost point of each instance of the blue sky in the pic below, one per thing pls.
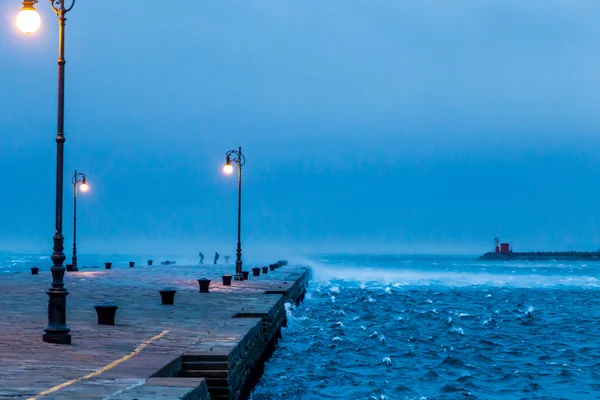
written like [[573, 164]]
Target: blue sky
[[398, 126]]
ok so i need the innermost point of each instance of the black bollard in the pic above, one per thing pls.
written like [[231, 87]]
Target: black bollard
[[69, 267], [108, 265], [34, 270], [282, 262], [106, 313], [272, 266], [227, 280], [256, 271], [167, 296], [149, 262], [204, 285], [265, 270], [245, 273], [131, 264]]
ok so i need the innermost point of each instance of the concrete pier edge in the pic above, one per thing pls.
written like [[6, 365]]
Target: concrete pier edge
[[194, 375]]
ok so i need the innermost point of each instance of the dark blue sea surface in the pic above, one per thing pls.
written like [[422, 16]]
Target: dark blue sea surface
[[390, 327]]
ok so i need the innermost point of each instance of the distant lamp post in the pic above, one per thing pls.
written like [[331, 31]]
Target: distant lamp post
[[78, 178], [56, 331], [238, 158]]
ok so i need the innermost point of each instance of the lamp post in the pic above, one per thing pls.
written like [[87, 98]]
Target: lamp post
[[239, 160], [78, 177], [56, 331]]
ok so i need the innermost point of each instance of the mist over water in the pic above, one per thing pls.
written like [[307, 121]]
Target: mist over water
[[440, 327]]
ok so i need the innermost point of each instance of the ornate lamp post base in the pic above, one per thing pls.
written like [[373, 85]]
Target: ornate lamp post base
[[57, 330]]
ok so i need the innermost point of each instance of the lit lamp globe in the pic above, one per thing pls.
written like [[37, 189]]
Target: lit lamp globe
[[228, 169], [28, 20], [84, 187]]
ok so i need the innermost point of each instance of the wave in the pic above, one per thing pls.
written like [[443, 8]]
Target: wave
[[444, 275]]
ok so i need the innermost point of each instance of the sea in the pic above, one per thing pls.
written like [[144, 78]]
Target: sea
[[440, 327], [428, 327]]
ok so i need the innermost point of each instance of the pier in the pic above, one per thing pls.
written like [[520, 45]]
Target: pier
[[205, 344]]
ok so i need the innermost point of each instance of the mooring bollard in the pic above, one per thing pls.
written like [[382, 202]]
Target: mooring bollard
[[106, 313], [34, 270], [204, 285], [108, 265], [227, 279], [131, 264], [265, 270], [256, 271], [69, 267], [272, 266], [245, 273], [167, 296], [282, 262], [150, 262]]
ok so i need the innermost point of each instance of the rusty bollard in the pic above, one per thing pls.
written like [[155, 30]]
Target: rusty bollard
[[204, 285], [256, 271], [106, 313], [227, 280], [167, 296]]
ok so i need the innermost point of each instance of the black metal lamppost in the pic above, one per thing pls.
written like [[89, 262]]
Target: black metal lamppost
[[78, 177], [56, 331], [238, 158]]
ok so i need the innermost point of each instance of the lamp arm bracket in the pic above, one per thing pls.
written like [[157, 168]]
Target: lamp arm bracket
[[239, 158], [59, 6], [78, 177]]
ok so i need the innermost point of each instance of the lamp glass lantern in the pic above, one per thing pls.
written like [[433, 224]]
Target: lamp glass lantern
[[28, 19]]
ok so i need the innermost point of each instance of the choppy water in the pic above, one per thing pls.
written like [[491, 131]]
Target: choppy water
[[384, 327]]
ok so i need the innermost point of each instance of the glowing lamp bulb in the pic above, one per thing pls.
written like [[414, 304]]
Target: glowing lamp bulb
[[28, 20], [228, 169], [84, 187]]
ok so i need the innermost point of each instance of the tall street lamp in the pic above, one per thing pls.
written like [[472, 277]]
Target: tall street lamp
[[56, 331], [239, 160], [78, 177]]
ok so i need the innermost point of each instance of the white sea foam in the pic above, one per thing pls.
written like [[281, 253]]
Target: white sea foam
[[458, 330], [495, 275]]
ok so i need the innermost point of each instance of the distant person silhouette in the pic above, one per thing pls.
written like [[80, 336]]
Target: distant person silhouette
[[216, 257], [201, 258]]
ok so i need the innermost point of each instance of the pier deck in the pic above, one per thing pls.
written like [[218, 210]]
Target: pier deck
[[216, 341]]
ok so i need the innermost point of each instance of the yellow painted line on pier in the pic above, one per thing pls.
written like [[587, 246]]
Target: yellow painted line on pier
[[101, 370]]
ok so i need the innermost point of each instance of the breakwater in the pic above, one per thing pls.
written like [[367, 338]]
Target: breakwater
[[543, 256]]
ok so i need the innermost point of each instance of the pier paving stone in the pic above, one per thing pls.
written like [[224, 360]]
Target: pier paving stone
[[197, 323]]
